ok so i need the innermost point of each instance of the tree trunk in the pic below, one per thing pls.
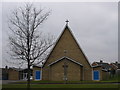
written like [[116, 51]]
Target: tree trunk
[[28, 79]]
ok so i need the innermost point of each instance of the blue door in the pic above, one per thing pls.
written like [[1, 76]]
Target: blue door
[[37, 75], [96, 75]]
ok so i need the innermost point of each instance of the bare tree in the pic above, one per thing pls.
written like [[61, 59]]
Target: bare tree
[[27, 44]]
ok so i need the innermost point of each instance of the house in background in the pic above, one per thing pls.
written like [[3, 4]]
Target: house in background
[[13, 73], [104, 69], [9, 73], [23, 74], [116, 66], [4, 73], [105, 66], [112, 69]]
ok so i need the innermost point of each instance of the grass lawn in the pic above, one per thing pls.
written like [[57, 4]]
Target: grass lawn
[[114, 79], [61, 86], [71, 84]]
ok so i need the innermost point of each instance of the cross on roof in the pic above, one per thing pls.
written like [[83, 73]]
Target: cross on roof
[[67, 22]]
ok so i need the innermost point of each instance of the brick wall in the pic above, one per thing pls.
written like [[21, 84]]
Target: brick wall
[[34, 69], [13, 74]]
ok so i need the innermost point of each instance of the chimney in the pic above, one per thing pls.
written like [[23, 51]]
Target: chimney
[[116, 62], [101, 61], [6, 67]]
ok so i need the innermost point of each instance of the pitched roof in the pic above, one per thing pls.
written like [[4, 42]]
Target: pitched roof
[[104, 65], [37, 66], [117, 65], [66, 27], [16, 69], [67, 59]]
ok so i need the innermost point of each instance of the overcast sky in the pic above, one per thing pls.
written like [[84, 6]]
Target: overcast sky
[[94, 25]]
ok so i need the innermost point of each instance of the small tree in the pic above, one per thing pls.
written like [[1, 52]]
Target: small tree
[[27, 44]]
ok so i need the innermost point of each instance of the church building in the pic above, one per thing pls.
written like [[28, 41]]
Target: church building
[[66, 61]]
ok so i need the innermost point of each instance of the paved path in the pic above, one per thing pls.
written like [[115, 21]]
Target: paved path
[[10, 81], [17, 82]]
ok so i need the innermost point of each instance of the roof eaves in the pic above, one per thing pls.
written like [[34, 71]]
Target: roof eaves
[[96, 66], [66, 58], [74, 61], [55, 61]]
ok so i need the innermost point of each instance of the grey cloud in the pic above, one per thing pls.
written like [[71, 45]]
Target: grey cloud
[[94, 25]]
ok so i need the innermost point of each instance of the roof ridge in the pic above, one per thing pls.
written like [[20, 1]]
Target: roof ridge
[[68, 28]]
